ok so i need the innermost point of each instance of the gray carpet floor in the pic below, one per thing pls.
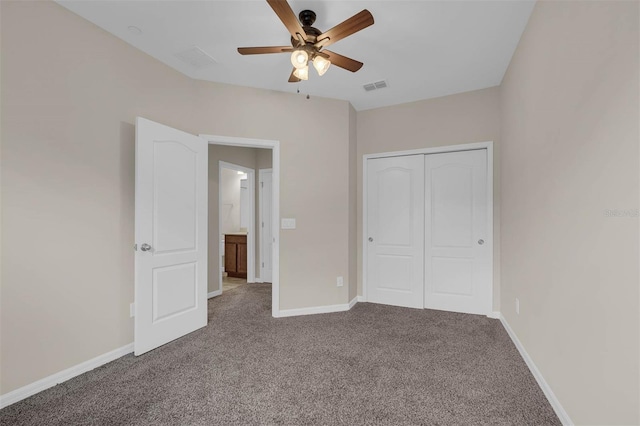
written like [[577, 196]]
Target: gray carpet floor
[[373, 365]]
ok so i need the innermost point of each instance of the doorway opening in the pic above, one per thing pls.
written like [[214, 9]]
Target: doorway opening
[[255, 248], [236, 224]]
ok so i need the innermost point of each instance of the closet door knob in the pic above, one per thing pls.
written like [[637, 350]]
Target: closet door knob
[[481, 242], [145, 247], [370, 239]]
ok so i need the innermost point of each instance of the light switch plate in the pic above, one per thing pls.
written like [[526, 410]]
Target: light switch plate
[[288, 223]]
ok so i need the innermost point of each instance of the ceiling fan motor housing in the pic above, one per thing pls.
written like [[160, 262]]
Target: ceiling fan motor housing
[[307, 18]]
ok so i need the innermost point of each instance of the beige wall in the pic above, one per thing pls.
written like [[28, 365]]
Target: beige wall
[[230, 190], [458, 119], [570, 152], [70, 95], [264, 159], [353, 205]]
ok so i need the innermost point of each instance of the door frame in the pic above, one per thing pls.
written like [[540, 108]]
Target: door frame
[[275, 203], [261, 173], [432, 150], [251, 236]]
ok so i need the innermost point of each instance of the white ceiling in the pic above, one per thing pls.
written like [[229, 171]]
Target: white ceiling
[[423, 49]]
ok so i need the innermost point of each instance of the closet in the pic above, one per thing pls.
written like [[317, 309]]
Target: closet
[[428, 231]]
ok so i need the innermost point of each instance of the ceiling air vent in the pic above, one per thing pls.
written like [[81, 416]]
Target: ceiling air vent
[[196, 57], [373, 86]]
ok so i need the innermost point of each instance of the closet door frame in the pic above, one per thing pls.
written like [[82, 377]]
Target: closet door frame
[[433, 150]]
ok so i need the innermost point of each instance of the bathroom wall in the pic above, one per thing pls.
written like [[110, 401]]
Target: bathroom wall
[[230, 195]]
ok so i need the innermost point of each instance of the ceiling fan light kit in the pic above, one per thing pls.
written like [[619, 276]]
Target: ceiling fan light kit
[[302, 73], [308, 42], [321, 65], [299, 59]]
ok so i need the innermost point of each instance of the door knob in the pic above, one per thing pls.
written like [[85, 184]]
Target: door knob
[[370, 239], [145, 247], [481, 241]]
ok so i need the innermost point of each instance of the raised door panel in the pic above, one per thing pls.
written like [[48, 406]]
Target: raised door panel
[[230, 257], [242, 259], [174, 198], [174, 290], [452, 206]]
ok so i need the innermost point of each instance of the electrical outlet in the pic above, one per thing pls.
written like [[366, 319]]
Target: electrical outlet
[[517, 306], [132, 310], [340, 282]]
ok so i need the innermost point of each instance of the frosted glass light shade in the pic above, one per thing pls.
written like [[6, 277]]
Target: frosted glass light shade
[[321, 65], [302, 73], [299, 58]]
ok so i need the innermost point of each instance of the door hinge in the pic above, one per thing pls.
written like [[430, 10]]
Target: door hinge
[[263, 224], [135, 247], [261, 184], [263, 264]]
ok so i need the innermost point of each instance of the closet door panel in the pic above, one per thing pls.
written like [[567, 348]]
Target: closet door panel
[[457, 260], [395, 231]]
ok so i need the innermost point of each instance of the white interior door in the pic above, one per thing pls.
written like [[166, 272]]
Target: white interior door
[[395, 230], [171, 234], [266, 232], [457, 253]]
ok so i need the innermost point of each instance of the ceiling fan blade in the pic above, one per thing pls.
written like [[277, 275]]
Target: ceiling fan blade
[[288, 18], [266, 49], [343, 62], [352, 25], [293, 78]]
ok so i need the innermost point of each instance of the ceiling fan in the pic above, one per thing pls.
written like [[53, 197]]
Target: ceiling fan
[[308, 43]]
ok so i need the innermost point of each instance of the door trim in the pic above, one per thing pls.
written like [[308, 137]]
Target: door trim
[[261, 173], [275, 203], [251, 237], [433, 150]]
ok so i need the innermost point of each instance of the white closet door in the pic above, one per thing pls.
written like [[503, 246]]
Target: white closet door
[[457, 256], [395, 231]]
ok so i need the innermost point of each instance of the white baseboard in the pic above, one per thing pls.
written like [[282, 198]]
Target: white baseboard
[[317, 310], [353, 302], [258, 280], [494, 315], [214, 294], [361, 299], [555, 404], [62, 376]]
